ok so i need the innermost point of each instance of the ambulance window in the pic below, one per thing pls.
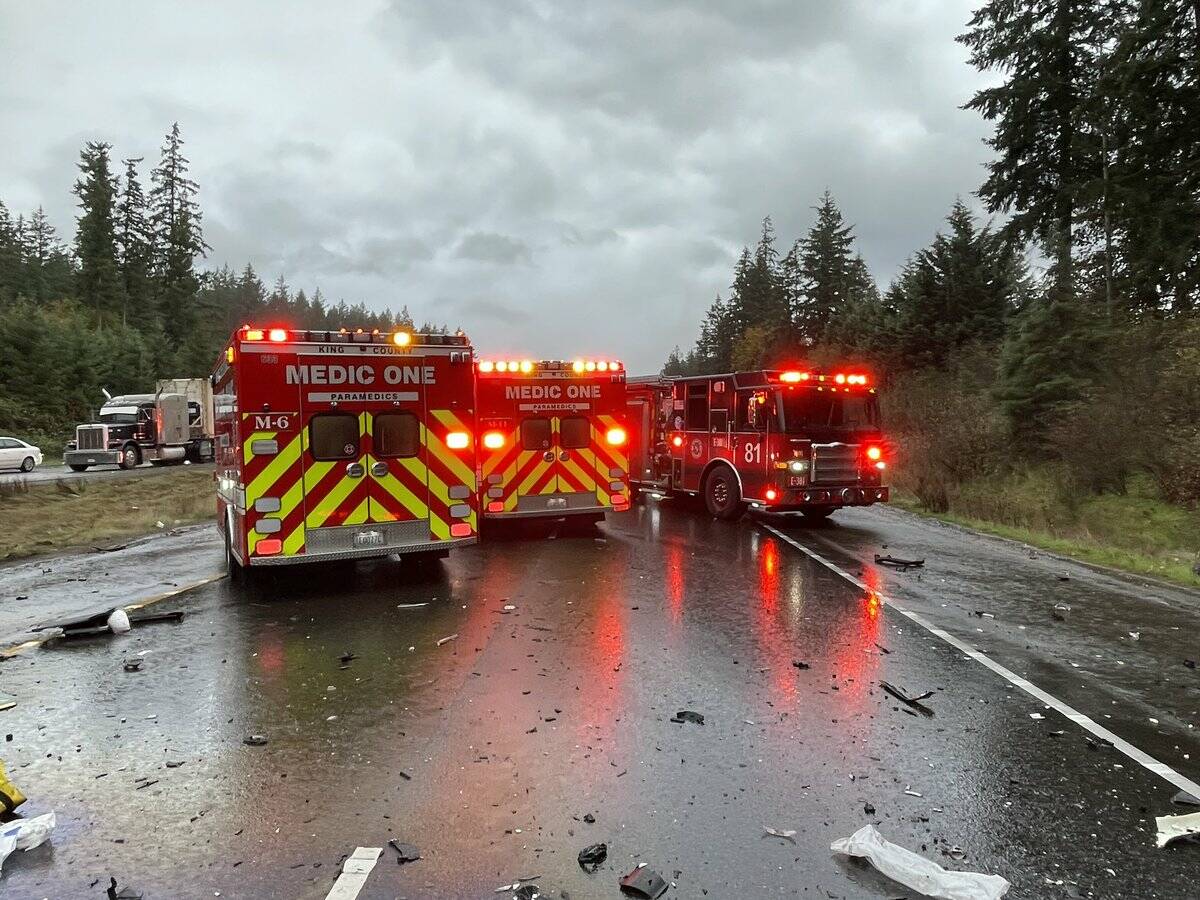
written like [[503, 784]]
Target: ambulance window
[[575, 432], [334, 436], [396, 434], [535, 434], [697, 407]]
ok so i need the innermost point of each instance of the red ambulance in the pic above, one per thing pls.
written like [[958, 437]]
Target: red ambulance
[[341, 445], [552, 438]]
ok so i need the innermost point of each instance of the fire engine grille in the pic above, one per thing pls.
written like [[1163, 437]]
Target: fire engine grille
[[89, 437], [340, 539], [835, 463]]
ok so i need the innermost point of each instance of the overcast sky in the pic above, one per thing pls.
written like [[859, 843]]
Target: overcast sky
[[558, 178]]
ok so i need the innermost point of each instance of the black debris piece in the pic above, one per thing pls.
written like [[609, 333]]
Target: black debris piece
[[1060, 611], [1190, 663], [882, 649], [687, 715], [406, 853], [868, 808], [255, 740], [405, 775], [589, 818], [133, 665], [527, 892], [125, 893], [151, 618], [1064, 577], [914, 702], [898, 563], [800, 665], [1183, 798], [345, 659], [592, 856], [643, 882]]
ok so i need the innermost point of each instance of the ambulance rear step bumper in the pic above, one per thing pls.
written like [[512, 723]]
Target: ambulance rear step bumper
[[550, 513], [367, 553]]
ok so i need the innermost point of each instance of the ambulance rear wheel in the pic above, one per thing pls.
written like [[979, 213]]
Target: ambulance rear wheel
[[722, 494]]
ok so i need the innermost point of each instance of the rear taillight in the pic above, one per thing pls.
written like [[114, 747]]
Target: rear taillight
[[458, 440], [495, 506], [874, 454], [460, 529], [268, 547]]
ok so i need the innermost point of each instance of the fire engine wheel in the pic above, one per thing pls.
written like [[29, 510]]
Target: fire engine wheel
[[722, 495], [130, 457], [77, 468]]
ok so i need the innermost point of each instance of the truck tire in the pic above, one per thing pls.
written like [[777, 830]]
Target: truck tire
[[723, 494], [131, 457], [818, 513], [77, 467], [27, 464]]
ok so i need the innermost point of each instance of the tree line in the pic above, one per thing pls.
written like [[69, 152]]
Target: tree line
[[1064, 334], [127, 302]]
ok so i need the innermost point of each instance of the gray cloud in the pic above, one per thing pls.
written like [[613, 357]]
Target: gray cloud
[[600, 165]]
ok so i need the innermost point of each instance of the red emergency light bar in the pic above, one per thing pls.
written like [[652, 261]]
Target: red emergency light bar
[[345, 336], [529, 367], [793, 376]]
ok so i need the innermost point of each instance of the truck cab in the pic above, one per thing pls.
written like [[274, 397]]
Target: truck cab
[[132, 429]]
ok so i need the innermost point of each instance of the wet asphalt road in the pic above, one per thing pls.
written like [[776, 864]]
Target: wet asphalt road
[[51, 471], [488, 750]]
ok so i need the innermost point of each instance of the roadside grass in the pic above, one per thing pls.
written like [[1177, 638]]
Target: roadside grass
[[1135, 532], [47, 517]]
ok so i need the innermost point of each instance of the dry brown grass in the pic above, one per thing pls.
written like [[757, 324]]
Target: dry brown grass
[[52, 516]]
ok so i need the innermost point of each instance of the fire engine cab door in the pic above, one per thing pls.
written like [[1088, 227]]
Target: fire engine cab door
[[396, 459]]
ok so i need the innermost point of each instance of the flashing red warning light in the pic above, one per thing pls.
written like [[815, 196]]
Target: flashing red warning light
[[677, 441], [277, 335], [493, 440], [460, 529], [615, 436], [794, 377], [771, 494], [458, 440], [268, 547], [874, 453], [839, 378], [495, 506]]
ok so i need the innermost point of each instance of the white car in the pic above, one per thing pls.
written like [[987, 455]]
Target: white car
[[17, 454]]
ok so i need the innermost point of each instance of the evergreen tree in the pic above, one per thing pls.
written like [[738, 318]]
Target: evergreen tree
[[98, 282], [1044, 138], [135, 248], [832, 278], [178, 240], [11, 263], [48, 270]]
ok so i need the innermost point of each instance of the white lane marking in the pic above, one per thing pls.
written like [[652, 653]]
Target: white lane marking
[[1140, 757], [355, 872]]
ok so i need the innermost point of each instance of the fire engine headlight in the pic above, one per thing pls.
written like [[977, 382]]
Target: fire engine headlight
[[796, 466], [615, 436], [458, 440], [493, 440]]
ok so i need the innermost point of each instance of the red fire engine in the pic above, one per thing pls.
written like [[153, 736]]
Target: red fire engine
[[553, 438], [340, 445], [796, 440]]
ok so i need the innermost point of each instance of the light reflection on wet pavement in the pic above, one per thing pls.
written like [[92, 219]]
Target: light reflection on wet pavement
[[529, 719]]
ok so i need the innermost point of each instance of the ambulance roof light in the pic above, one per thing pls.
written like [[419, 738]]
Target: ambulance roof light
[[791, 377], [526, 366], [278, 335], [577, 366], [486, 366], [839, 378], [401, 338], [602, 366], [590, 366], [254, 334], [501, 366]]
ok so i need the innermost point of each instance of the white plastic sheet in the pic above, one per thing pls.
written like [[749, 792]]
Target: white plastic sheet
[[915, 871], [24, 834], [1172, 827], [118, 621]]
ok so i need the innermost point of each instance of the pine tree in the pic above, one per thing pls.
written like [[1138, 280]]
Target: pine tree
[[1046, 146], [48, 270], [178, 240], [10, 256], [135, 249], [98, 282], [832, 278]]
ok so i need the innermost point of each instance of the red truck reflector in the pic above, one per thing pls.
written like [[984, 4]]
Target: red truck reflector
[[460, 529], [268, 547]]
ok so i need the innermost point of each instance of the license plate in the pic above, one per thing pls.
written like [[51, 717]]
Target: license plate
[[368, 539], [795, 481]]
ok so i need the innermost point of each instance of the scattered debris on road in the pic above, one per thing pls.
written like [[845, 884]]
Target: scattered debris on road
[[800, 665], [1060, 611], [589, 818], [1190, 663], [6, 705], [869, 808], [643, 882], [24, 834], [1174, 828], [345, 659], [447, 639], [898, 563], [410, 605], [916, 872], [132, 665], [1183, 798], [593, 856], [914, 702], [125, 893], [1135, 635], [153, 618], [10, 795], [687, 715], [788, 834], [405, 853], [255, 740]]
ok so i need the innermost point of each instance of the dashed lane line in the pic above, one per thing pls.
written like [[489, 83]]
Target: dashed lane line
[[1143, 759], [355, 872], [7, 652]]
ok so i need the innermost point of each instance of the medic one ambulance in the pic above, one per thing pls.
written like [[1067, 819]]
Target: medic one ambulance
[[342, 445], [552, 438]]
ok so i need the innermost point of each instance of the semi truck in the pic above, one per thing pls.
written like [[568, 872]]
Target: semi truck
[[172, 426]]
